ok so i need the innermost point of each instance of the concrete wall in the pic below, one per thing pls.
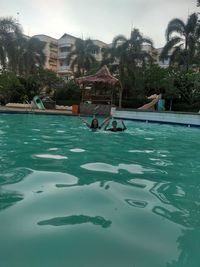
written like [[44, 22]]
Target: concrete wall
[[95, 109], [188, 119]]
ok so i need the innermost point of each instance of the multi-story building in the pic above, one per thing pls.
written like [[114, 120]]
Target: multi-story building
[[65, 46], [57, 50], [98, 54], [50, 51]]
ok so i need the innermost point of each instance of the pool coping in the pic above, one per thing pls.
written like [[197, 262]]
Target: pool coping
[[7, 110], [186, 119], [161, 112], [159, 122]]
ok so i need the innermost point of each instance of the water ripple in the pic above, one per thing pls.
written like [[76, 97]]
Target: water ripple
[[49, 156], [104, 167], [77, 150]]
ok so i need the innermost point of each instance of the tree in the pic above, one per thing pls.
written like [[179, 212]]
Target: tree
[[28, 55], [154, 79], [182, 41], [43, 82], [132, 58], [19, 53], [11, 89], [68, 94], [82, 57], [10, 30], [131, 51]]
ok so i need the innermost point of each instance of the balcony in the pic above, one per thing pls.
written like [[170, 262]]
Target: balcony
[[53, 50], [53, 56], [63, 54], [64, 68]]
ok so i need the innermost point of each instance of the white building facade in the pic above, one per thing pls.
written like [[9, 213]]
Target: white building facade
[[57, 50], [65, 46], [50, 51]]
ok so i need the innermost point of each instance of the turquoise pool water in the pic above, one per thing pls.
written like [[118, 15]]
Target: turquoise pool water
[[71, 197]]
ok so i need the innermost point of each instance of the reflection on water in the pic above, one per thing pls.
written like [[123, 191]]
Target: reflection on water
[[136, 183], [9, 198], [11, 176], [77, 219], [103, 167], [188, 244], [177, 208], [136, 203], [158, 190], [139, 179]]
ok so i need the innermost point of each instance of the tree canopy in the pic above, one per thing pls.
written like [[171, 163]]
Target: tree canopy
[[82, 57], [19, 53], [182, 42]]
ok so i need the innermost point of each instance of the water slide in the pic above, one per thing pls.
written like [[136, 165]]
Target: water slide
[[38, 102], [151, 105]]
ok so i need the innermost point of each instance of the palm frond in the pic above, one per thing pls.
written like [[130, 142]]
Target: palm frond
[[2, 56], [175, 25], [169, 46], [175, 55], [192, 24], [119, 40], [148, 41], [197, 31], [9, 25]]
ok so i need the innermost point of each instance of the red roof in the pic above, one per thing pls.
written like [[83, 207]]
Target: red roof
[[103, 76]]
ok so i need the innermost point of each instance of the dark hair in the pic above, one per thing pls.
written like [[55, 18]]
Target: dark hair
[[92, 124]]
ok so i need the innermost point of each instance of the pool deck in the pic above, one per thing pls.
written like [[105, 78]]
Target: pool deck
[[9, 110]]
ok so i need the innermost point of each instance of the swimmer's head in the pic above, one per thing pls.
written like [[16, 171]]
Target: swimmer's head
[[95, 124], [114, 124]]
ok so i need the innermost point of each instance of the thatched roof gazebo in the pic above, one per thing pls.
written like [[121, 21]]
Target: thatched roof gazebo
[[101, 88]]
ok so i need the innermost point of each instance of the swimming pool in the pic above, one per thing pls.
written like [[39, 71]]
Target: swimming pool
[[71, 197]]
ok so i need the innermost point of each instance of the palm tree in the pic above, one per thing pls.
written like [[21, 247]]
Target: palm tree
[[19, 53], [10, 30], [82, 57], [182, 41], [133, 48], [29, 55], [130, 55]]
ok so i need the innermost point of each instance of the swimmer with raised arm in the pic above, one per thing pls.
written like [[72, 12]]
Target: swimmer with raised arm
[[115, 128], [94, 124]]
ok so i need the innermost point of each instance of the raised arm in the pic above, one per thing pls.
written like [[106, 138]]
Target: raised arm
[[84, 121], [106, 126], [124, 126], [106, 121]]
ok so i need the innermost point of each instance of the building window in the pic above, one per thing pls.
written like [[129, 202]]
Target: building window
[[65, 49]]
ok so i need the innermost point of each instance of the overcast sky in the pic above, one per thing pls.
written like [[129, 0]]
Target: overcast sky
[[103, 19]]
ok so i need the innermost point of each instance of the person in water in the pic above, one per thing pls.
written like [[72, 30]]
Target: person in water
[[94, 124], [115, 128]]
